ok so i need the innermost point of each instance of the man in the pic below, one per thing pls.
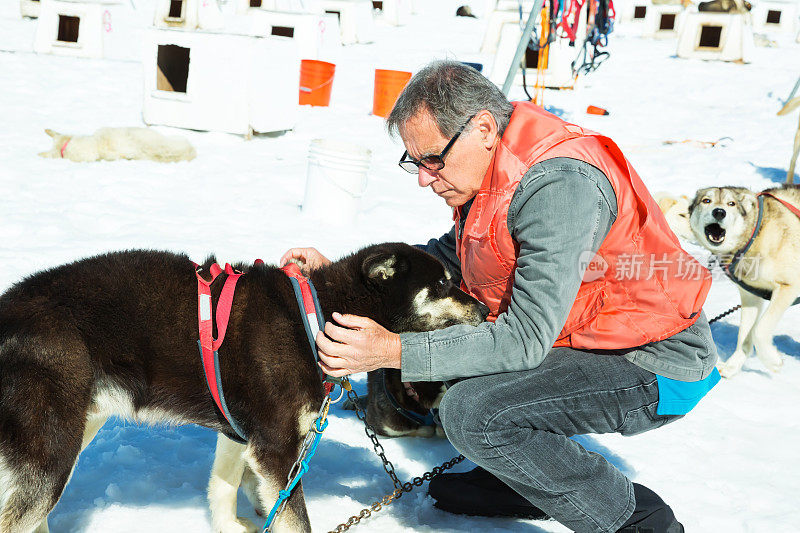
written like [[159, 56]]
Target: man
[[596, 322]]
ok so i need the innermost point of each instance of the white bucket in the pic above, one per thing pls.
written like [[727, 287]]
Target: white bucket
[[336, 180]]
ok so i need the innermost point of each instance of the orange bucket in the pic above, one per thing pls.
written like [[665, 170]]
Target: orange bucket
[[316, 82], [388, 86]]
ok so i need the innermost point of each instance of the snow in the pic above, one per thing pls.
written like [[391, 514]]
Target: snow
[[730, 465]]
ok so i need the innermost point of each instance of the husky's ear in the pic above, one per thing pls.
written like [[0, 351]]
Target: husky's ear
[[747, 203], [382, 266], [666, 204], [51, 133]]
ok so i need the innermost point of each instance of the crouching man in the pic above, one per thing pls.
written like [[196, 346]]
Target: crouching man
[[596, 319]]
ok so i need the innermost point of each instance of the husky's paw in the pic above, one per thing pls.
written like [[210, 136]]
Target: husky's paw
[[240, 525], [771, 358], [732, 366]]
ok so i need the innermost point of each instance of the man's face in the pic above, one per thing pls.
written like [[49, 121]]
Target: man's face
[[465, 163]]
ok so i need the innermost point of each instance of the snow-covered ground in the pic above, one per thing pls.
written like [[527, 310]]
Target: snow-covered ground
[[731, 465]]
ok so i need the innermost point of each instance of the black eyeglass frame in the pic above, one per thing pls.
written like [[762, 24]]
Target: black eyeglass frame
[[434, 162]]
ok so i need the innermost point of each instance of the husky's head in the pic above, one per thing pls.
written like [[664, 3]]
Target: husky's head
[[408, 290], [723, 218], [59, 143]]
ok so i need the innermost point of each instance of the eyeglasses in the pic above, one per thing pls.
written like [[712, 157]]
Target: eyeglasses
[[430, 162]]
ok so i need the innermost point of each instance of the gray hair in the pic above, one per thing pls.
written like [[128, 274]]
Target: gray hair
[[451, 92]]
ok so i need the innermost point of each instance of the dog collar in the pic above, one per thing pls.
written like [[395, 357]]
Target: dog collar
[[64, 147], [416, 418], [311, 313]]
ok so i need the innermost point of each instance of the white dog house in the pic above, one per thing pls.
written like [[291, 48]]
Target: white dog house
[[88, 28], [317, 34], [188, 15], [29, 8], [663, 21], [502, 37], [286, 6], [721, 36], [772, 16], [355, 19], [207, 80], [634, 16], [395, 12]]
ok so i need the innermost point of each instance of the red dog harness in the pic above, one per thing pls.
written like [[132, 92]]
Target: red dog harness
[[310, 312], [209, 347]]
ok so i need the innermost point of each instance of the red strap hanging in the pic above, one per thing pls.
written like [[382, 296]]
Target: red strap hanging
[[209, 345]]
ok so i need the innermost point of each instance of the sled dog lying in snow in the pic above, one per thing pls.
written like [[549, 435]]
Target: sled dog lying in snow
[[723, 220], [790, 106], [116, 334], [109, 144]]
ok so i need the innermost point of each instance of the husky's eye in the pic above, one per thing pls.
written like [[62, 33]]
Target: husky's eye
[[732, 204], [442, 282], [706, 200]]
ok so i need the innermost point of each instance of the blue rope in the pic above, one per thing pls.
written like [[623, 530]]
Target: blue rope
[[319, 427]]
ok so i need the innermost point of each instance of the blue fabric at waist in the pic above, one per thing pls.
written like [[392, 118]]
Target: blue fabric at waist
[[679, 397]]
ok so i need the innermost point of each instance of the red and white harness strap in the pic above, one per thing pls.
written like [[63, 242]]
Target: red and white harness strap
[[209, 347], [313, 320]]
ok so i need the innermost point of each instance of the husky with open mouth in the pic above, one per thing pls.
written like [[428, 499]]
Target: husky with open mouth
[[756, 238]]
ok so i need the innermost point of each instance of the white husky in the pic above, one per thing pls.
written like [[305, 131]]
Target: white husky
[[110, 144], [723, 220]]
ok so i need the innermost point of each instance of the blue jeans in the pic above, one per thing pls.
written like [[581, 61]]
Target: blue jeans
[[516, 425]]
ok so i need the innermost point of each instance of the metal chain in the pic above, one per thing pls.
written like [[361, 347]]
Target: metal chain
[[399, 487], [713, 262], [373, 436], [723, 315], [396, 494]]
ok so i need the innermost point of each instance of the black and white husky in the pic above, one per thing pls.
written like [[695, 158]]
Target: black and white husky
[[116, 335]]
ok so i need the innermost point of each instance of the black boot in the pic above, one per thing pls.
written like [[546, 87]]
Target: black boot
[[479, 493], [651, 514]]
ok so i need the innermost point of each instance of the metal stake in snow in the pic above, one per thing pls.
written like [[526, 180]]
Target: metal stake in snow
[[523, 44]]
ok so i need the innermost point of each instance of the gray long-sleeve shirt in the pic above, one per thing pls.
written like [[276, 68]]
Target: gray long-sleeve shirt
[[562, 208]]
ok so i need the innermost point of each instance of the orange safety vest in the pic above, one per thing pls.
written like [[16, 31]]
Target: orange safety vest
[[640, 287]]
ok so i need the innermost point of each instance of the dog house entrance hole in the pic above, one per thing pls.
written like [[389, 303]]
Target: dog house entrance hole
[[68, 28], [377, 5], [255, 3], [639, 12], [175, 10], [532, 57], [283, 31], [710, 36], [773, 16], [667, 22], [173, 68]]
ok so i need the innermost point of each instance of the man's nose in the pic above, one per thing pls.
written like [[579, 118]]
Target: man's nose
[[425, 177]]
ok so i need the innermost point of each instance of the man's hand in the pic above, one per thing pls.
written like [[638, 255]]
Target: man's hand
[[360, 346], [310, 258]]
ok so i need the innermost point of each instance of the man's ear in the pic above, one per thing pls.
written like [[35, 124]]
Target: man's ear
[[485, 123]]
